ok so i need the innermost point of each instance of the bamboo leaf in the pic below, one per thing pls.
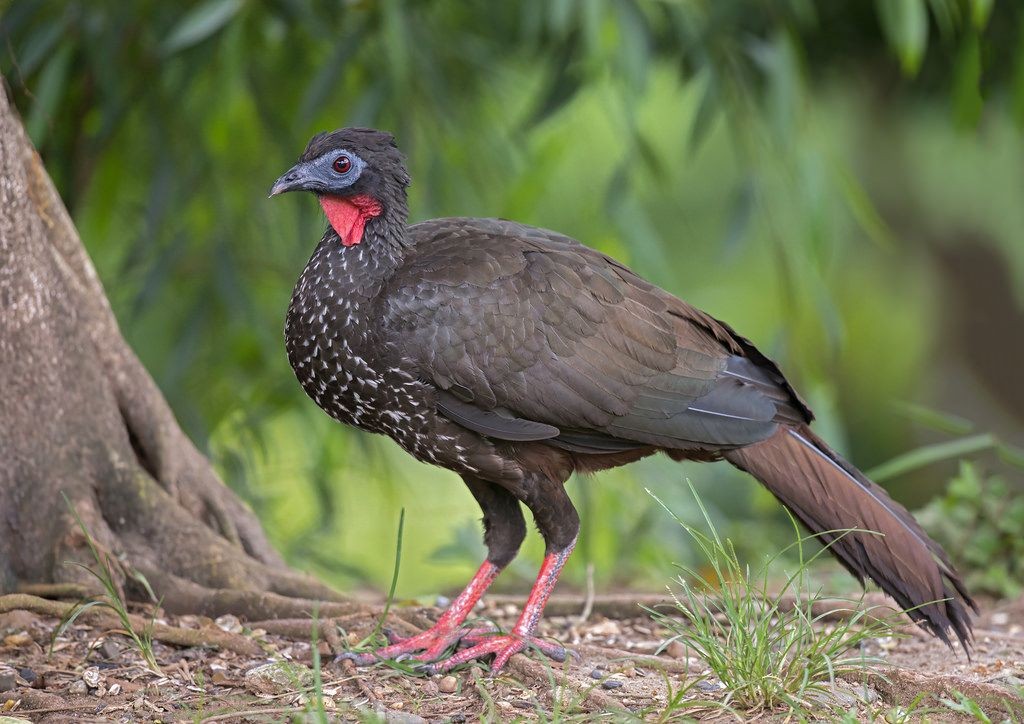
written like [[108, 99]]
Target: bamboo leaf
[[1017, 82], [930, 454], [905, 23], [48, 94], [935, 419], [199, 24], [981, 11], [966, 96]]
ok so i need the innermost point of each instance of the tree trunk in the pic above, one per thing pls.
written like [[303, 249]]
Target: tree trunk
[[80, 417]]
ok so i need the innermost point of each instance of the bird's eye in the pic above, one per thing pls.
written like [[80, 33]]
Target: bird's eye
[[342, 164]]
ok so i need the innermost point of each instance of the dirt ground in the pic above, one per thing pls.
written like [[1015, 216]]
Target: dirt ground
[[264, 672]]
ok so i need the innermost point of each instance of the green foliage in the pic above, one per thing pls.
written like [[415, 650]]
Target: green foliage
[[784, 165], [765, 644], [980, 521]]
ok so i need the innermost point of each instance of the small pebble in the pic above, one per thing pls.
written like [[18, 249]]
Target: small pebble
[[114, 690], [606, 628], [8, 678], [442, 602], [78, 687], [676, 650], [597, 674], [91, 677], [1000, 619], [705, 685], [110, 650], [612, 683], [277, 678], [229, 623], [448, 685], [17, 640]]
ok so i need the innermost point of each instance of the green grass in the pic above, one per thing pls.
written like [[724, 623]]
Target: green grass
[[113, 597], [315, 707], [768, 655], [375, 639]]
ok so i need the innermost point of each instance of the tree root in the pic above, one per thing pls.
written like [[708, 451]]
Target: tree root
[[183, 596], [211, 638], [57, 590], [306, 628]]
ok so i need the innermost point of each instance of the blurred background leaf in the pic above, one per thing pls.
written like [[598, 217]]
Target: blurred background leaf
[[840, 181]]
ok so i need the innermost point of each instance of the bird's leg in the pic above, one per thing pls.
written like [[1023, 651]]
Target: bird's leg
[[505, 529], [434, 641], [559, 524], [521, 637]]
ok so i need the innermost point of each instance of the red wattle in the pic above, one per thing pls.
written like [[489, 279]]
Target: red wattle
[[348, 215]]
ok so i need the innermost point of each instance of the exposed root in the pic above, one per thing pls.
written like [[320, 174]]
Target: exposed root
[[413, 617], [182, 596], [305, 628], [57, 590], [211, 638]]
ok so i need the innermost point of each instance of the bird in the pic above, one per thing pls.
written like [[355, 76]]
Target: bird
[[515, 356]]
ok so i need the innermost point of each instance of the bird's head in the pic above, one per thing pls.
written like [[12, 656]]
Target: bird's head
[[356, 173]]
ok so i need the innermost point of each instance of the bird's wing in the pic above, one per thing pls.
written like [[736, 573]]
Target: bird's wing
[[546, 338]]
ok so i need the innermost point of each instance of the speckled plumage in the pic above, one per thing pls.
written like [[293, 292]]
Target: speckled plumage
[[514, 356]]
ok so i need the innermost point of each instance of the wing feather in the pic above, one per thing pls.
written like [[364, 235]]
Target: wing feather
[[532, 332]]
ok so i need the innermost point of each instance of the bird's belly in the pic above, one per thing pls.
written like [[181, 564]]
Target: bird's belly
[[387, 400]]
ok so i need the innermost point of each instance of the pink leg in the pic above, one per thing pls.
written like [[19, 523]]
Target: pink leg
[[521, 637], [434, 641]]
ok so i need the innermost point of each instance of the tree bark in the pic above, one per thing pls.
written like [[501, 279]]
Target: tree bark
[[80, 416]]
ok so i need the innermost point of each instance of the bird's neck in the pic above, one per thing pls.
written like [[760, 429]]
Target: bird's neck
[[356, 268]]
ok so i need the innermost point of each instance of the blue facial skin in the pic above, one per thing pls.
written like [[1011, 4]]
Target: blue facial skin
[[319, 175]]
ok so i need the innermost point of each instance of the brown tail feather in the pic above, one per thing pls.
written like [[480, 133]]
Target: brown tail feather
[[825, 493]]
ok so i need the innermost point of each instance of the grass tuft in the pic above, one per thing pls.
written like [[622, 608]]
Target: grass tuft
[[113, 597], [375, 639], [768, 654]]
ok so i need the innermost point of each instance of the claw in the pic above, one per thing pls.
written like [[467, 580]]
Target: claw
[[392, 637], [357, 659]]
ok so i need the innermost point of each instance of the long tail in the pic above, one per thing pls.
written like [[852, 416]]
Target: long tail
[[826, 493]]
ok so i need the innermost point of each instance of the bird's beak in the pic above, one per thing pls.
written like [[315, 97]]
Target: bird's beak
[[293, 180]]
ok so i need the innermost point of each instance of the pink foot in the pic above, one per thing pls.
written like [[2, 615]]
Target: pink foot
[[448, 630], [503, 647], [430, 644]]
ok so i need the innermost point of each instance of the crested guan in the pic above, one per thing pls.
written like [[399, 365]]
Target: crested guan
[[514, 356]]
